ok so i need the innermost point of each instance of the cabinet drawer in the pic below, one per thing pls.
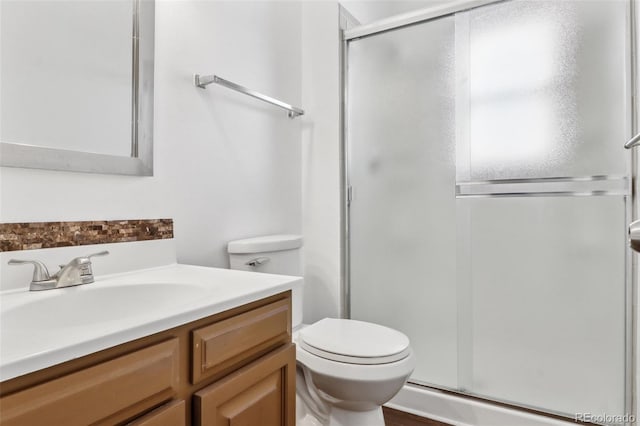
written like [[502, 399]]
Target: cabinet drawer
[[106, 393], [172, 414], [261, 393], [228, 344]]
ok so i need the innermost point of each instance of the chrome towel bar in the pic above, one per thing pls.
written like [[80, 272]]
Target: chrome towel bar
[[202, 81]]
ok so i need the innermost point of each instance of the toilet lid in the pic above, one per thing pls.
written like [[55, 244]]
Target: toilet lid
[[354, 342]]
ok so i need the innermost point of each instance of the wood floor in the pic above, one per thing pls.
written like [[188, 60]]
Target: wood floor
[[400, 418]]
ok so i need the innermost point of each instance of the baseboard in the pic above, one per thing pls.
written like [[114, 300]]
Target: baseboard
[[461, 411]]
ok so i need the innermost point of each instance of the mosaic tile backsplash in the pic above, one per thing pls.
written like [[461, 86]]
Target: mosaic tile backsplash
[[36, 235]]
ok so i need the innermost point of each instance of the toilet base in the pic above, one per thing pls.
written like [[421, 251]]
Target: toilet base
[[340, 417], [309, 420], [337, 416]]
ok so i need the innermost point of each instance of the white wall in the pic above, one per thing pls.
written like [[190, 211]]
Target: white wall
[[234, 161], [367, 11], [226, 166], [321, 159]]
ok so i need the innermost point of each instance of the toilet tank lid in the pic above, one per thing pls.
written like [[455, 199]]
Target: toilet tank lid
[[265, 243]]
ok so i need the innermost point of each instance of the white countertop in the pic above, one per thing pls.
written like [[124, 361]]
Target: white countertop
[[45, 328]]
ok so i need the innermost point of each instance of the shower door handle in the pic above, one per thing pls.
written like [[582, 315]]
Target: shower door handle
[[634, 235], [634, 141]]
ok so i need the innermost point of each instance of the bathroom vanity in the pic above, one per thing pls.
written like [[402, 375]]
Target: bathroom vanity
[[227, 358]]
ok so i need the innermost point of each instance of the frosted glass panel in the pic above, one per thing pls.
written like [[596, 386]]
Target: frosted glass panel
[[546, 88], [548, 292], [401, 138]]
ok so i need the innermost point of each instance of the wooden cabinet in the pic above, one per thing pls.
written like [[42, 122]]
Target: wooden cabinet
[[262, 393], [227, 369]]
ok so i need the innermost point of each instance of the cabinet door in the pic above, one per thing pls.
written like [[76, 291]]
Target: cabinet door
[[262, 393]]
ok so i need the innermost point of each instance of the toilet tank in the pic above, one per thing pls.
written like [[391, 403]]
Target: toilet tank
[[271, 254]]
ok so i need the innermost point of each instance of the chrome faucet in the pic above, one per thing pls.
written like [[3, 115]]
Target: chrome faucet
[[76, 272]]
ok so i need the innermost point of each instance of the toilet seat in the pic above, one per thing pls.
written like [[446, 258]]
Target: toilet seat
[[354, 342]]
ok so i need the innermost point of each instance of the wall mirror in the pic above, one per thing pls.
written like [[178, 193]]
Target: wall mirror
[[76, 85]]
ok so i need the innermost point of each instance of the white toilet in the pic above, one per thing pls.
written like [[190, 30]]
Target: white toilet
[[346, 369]]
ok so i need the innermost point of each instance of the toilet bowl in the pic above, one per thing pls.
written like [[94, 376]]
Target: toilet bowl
[[346, 369]]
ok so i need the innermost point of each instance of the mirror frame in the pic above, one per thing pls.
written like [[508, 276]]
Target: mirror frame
[[140, 163]]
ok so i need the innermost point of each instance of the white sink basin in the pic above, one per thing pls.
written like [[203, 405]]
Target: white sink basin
[[85, 305]]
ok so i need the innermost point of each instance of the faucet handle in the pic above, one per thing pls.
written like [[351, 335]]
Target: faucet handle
[[84, 260], [100, 253], [84, 263], [40, 271], [87, 259]]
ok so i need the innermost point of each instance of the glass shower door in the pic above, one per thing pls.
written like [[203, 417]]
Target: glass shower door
[[542, 180], [402, 171], [491, 196]]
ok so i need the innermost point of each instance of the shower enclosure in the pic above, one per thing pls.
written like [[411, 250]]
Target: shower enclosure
[[489, 195]]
